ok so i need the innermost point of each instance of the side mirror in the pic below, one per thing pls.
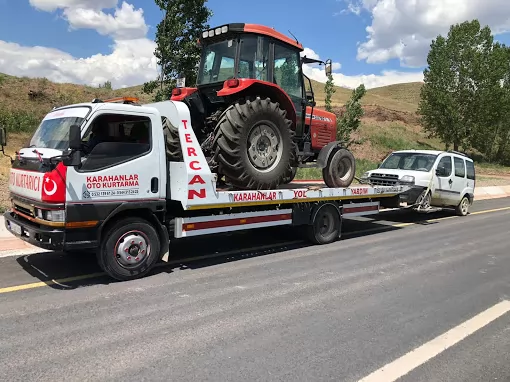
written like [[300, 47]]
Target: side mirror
[[329, 68], [440, 171], [3, 137], [310, 98], [74, 137], [72, 159]]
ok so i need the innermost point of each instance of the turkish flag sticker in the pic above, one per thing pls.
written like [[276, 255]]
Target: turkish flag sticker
[[54, 185], [49, 186]]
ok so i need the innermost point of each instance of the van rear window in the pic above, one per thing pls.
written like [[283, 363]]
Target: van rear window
[[460, 169], [470, 170]]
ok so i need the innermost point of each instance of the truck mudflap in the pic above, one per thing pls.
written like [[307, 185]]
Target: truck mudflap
[[37, 235]]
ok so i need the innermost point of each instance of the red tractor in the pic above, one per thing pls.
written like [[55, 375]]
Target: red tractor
[[253, 111]]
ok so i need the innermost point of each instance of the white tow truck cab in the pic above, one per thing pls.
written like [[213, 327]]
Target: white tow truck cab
[[438, 179], [96, 177]]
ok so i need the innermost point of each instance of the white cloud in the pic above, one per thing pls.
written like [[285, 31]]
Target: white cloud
[[386, 77], [404, 29], [310, 53], [131, 62], [53, 5], [127, 23]]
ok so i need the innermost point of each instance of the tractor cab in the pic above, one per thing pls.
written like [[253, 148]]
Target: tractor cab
[[234, 52]]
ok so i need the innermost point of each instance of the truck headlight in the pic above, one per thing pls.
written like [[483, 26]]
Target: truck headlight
[[55, 215], [366, 175], [408, 179]]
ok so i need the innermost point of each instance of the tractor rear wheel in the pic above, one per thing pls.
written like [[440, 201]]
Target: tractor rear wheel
[[253, 144], [290, 175]]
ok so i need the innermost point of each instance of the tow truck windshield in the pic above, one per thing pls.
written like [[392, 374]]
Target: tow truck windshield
[[54, 133]]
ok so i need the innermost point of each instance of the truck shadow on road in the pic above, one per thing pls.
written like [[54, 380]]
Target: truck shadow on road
[[71, 271]]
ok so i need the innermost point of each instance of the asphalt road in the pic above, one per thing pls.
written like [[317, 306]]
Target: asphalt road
[[289, 312]]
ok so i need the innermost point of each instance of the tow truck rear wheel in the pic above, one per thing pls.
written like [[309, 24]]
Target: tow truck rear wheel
[[130, 249], [326, 224]]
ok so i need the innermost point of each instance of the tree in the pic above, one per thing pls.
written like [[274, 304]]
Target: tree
[[329, 90], [491, 110], [455, 84], [350, 120], [177, 50], [106, 85]]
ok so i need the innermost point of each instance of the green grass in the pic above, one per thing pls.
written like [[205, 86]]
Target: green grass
[[362, 165], [492, 168], [389, 141]]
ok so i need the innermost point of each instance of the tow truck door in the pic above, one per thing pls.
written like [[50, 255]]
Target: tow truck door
[[126, 166]]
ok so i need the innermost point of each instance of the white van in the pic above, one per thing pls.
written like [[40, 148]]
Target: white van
[[449, 177]]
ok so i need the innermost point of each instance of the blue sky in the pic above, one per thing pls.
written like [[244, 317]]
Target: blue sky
[[90, 41]]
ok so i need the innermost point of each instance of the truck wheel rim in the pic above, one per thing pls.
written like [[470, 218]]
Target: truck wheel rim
[[264, 146], [344, 169], [326, 223], [132, 249]]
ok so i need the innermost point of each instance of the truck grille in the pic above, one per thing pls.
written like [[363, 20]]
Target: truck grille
[[383, 179], [23, 208]]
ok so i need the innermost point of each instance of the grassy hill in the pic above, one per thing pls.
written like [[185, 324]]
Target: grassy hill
[[390, 120]]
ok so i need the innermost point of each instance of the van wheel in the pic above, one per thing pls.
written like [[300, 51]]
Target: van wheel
[[463, 208], [130, 249], [424, 201]]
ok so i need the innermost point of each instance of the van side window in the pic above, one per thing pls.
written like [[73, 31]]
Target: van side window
[[114, 139], [446, 163], [460, 170], [470, 170]]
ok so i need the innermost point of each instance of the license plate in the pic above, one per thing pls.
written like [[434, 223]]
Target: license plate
[[16, 228]]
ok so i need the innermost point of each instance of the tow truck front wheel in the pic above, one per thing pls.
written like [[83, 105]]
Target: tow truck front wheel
[[130, 249]]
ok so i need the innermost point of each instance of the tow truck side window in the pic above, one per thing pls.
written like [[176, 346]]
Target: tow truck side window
[[113, 139]]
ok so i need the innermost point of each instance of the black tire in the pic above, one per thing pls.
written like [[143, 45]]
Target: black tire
[[231, 144], [121, 267], [462, 208], [326, 225], [172, 141], [340, 169], [290, 175]]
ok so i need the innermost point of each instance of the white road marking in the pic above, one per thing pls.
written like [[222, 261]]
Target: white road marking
[[20, 252], [33, 266], [429, 350]]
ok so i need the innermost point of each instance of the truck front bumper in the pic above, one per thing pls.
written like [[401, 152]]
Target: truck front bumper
[[40, 236]]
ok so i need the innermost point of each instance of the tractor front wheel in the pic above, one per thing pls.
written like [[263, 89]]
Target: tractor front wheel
[[340, 169], [253, 144]]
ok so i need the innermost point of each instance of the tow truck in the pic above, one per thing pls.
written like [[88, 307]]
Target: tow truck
[[95, 176]]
